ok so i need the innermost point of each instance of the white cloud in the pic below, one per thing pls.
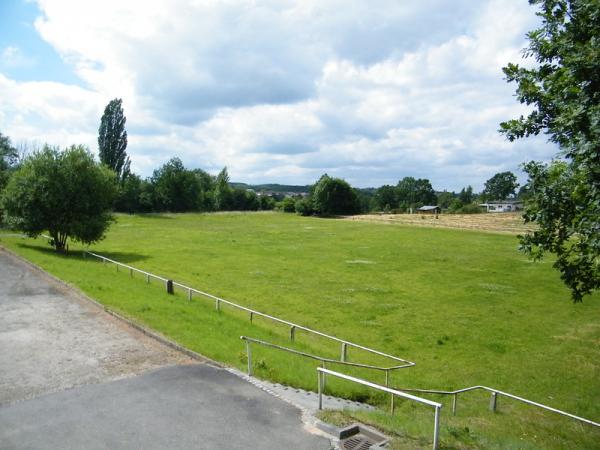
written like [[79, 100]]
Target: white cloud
[[12, 56], [285, 90]]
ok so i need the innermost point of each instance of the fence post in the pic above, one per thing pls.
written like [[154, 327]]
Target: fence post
[[249, 355], [493, 400], [392, 397], [320, 388], [218, 305], [436, 427], [344, 352], [292, 333], [324, 379], [189, 294], [251, 316], [147, 279], [131, 273], [454, 404], [170, 287]]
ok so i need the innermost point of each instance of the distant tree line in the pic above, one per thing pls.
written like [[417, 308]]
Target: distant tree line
[[68, 194], [174, 188]]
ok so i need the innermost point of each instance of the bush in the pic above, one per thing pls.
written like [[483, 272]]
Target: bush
[[304, 207], [288, 205]]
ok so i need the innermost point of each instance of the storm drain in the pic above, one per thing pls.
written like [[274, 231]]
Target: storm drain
[[359, 437], [357, 443]]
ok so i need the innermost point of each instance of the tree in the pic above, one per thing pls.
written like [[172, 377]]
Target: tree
[[500, 186], [63, 192], [445, 199], [564, 91], [332, 196], [112, 139], [223, 192], [466, 195], [176, 188], [415, 192], [205, 201], [8, 159], [386, 198]]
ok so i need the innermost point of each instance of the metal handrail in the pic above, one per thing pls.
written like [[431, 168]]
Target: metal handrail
[[293, 326], [323, 360], [493, 400], [321, 373]]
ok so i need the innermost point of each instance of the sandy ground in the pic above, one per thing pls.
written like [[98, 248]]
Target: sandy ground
[[51, 339]]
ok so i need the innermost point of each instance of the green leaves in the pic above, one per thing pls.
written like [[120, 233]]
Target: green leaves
[[564, 91], [112, 139], [63, 192]]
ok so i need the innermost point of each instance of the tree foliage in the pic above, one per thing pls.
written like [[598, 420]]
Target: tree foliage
[[415, 192], [333, 196], [500, 187], [112, 139], [176, 188], [8, 159], [65, 193], [563, 90]]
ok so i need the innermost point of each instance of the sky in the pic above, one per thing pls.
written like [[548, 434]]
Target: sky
[[277, 91]]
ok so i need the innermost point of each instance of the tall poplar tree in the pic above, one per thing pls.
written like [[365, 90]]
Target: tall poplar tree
[[112, 139]]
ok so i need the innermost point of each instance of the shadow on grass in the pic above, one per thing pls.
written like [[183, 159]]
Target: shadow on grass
[[122, 257]]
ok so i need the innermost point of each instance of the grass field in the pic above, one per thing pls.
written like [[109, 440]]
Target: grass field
[[466, 306]]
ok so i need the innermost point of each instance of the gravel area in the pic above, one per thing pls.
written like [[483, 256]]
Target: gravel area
[[51, 339]]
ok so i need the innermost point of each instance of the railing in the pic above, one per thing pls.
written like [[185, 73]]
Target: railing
[[321, 373], [494, 400], [170, 284], [322, 359]]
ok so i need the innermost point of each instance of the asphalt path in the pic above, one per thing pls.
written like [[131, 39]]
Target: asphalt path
[[72, 376]]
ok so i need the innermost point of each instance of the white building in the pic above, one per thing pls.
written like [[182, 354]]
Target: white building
[[502, 206]]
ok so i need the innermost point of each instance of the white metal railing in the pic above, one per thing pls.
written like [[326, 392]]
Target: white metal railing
[[321, 373], [494, 400], [169, 284], [322, 359]]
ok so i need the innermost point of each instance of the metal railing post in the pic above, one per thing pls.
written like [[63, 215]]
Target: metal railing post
[[387, 384], [436, 427], [218, 305], [324, 380], [147, 278], [454, 404], [292, 333], [493, 401], [320, 388], [249, 357], [131, 273], [344, 352], [189, 294], [251, 316]]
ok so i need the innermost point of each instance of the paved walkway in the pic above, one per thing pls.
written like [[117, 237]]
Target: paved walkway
[[72, 376]]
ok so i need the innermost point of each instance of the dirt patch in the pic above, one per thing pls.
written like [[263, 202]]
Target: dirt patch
[[52, 339], [499, 223]]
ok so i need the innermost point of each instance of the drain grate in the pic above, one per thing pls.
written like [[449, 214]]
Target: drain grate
[[357, 442]]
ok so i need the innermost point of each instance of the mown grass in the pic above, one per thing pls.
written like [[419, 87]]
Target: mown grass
[[467, 307]]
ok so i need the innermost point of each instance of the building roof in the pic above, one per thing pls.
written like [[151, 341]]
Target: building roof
[[427, 208]]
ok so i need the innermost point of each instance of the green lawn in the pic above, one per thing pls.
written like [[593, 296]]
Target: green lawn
[[467, 307]]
